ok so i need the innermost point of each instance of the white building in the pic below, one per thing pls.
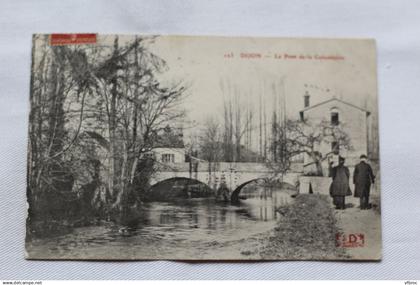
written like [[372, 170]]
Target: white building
[[169, 154], [169, 146], [352, 119]]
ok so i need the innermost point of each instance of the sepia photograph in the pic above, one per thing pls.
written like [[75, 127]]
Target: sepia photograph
[[156, 147]]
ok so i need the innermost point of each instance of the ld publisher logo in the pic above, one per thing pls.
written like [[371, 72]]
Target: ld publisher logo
[[350, 240]]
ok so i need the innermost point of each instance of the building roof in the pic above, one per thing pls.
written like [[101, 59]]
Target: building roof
[[168, 147], [335, 99]]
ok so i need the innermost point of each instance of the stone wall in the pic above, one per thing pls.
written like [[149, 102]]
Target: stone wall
[[320, 185]]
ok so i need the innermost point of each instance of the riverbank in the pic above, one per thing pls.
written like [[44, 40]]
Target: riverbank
[[306, 230]]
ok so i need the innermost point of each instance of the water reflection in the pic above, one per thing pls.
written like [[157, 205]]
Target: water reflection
[[262, 202], [203, 216], [176, 226]]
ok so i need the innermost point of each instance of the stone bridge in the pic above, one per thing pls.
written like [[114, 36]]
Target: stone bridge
[[234, 175]]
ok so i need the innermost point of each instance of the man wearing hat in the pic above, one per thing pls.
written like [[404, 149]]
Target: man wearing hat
[[362, 179], [339, 187]]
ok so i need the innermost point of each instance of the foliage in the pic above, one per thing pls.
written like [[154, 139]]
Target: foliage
[[95, 111]]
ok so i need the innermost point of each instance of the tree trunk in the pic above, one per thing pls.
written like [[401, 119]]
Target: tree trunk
[[112, 126]]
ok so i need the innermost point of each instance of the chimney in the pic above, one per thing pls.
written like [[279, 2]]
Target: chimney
[[306, 99]]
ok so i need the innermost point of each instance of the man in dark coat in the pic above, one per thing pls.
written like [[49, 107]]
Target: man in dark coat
[[362, 179], [340, 187]]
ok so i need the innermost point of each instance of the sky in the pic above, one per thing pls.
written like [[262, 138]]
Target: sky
[[215, 68], [206, 63]]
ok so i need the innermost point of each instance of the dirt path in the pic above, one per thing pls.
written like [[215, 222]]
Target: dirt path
[[306, 231], [312, 237], [367, 222]]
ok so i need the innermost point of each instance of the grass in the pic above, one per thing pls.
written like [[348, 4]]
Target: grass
[[306, 231]]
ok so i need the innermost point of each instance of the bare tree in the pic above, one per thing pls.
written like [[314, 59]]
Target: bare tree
[[137, 107], [236, 124], [210, 141], [53, 83], [298, 137], [100, 103]]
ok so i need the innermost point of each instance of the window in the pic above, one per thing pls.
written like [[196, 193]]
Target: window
[[306, 103], [335, 147], [168, 157], [302, 117], [334, 119], [149, 155]]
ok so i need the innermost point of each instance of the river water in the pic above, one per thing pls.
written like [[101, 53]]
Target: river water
[[185, 229]]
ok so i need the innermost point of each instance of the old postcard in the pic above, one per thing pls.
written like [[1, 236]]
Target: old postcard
[[203, 148]]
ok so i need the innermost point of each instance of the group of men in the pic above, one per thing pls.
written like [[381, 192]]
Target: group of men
[[362, 178]]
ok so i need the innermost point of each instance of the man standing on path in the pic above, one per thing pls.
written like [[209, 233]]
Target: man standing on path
[[362, 179], [339, 188]]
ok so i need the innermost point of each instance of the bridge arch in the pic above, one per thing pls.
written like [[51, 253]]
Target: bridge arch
[[178, 187], [235, 193]]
